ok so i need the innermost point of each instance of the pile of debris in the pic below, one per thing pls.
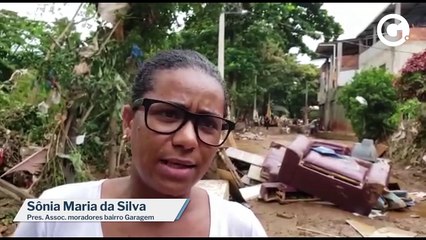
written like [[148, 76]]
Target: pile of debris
[[354, 178], [250, 136], [403, 147]]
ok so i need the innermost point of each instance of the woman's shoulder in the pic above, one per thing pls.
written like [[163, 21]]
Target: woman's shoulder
[[90, 189], [238, 218]]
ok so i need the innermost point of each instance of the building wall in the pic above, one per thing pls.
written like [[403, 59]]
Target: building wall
[[323, 84], [405, 52], [345, 77], [338, 121], [377, 55], [380, 54], [349, 62]]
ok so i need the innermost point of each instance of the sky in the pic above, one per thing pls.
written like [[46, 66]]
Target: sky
[[353, 17]]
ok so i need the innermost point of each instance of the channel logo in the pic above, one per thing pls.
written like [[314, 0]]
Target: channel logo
[[393, 29]]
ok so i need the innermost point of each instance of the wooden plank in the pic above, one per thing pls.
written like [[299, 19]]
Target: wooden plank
[[230, 166], [254, 173], [392, 232], [219, 187], [240, 155], [285, 201], [234, 189], [362, 228], [251, 192], [370, 231]]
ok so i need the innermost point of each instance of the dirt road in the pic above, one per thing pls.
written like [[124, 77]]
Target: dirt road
[[328, 219]]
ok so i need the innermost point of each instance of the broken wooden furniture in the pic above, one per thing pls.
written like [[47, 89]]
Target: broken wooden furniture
[[273, 190], [272, 163], [246, 160], [337, 148], [352, 184]]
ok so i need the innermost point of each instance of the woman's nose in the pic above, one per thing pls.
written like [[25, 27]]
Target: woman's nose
[[186, 137]]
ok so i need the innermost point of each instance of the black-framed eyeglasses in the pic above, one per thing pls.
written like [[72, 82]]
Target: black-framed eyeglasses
[[167, 118]]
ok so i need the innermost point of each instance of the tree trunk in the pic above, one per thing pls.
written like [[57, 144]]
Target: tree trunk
[[112, 155]]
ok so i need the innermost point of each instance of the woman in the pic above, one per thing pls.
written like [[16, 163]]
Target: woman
[[175, 124]]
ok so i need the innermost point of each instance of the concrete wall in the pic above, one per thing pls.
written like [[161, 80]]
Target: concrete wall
[[338, 121], [405, 52], [376, 56], [380, 54], [345, 77]]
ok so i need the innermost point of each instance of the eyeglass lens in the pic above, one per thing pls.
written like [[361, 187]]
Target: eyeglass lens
[[166, 118]]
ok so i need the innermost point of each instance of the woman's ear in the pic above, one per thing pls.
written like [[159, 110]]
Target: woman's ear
[[127, 116]]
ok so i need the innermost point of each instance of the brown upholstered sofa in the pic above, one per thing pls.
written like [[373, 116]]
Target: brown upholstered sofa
[[275, 156], [352, 184]]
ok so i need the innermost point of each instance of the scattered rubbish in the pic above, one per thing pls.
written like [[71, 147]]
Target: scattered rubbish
[[392, 232], [308, 171], [317, 232], [366, 230], [32, 164], [250, 136], [80, 139], [393, 201], [43, 107], [251, 192], [286, 215], [239, 155], [375, 214], [417, 196]]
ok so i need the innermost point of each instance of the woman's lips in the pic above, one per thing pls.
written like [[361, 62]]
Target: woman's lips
[[178, 169]]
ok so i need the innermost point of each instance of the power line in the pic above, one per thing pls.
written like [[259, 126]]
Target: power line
[[368, 37]]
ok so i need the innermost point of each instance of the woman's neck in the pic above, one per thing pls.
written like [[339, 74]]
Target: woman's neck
[[139, 189]]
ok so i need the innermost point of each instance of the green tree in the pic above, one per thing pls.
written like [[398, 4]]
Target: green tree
[[257, 44], [373, 120]]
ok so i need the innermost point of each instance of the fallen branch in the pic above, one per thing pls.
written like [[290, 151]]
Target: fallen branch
[[20, 192], [86, 115], [107, 39], [10, 194]]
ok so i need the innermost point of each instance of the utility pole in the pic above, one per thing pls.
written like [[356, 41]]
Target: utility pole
[[221, 56], [306, 103], [255, 97]]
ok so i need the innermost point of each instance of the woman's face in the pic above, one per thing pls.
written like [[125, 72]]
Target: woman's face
[[172, 164]]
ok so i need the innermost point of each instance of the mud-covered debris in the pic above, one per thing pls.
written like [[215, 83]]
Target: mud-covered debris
[[285, 215], [250, 136]]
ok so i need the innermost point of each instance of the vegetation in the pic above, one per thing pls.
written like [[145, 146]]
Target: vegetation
[[56, 87], [257, 46], [408, 145], [371, 120]]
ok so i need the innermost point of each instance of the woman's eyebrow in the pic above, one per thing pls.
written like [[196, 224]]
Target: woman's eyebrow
[[207, 112]]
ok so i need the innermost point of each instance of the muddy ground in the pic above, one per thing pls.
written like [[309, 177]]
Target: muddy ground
[[327, 218], [315, 216]]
